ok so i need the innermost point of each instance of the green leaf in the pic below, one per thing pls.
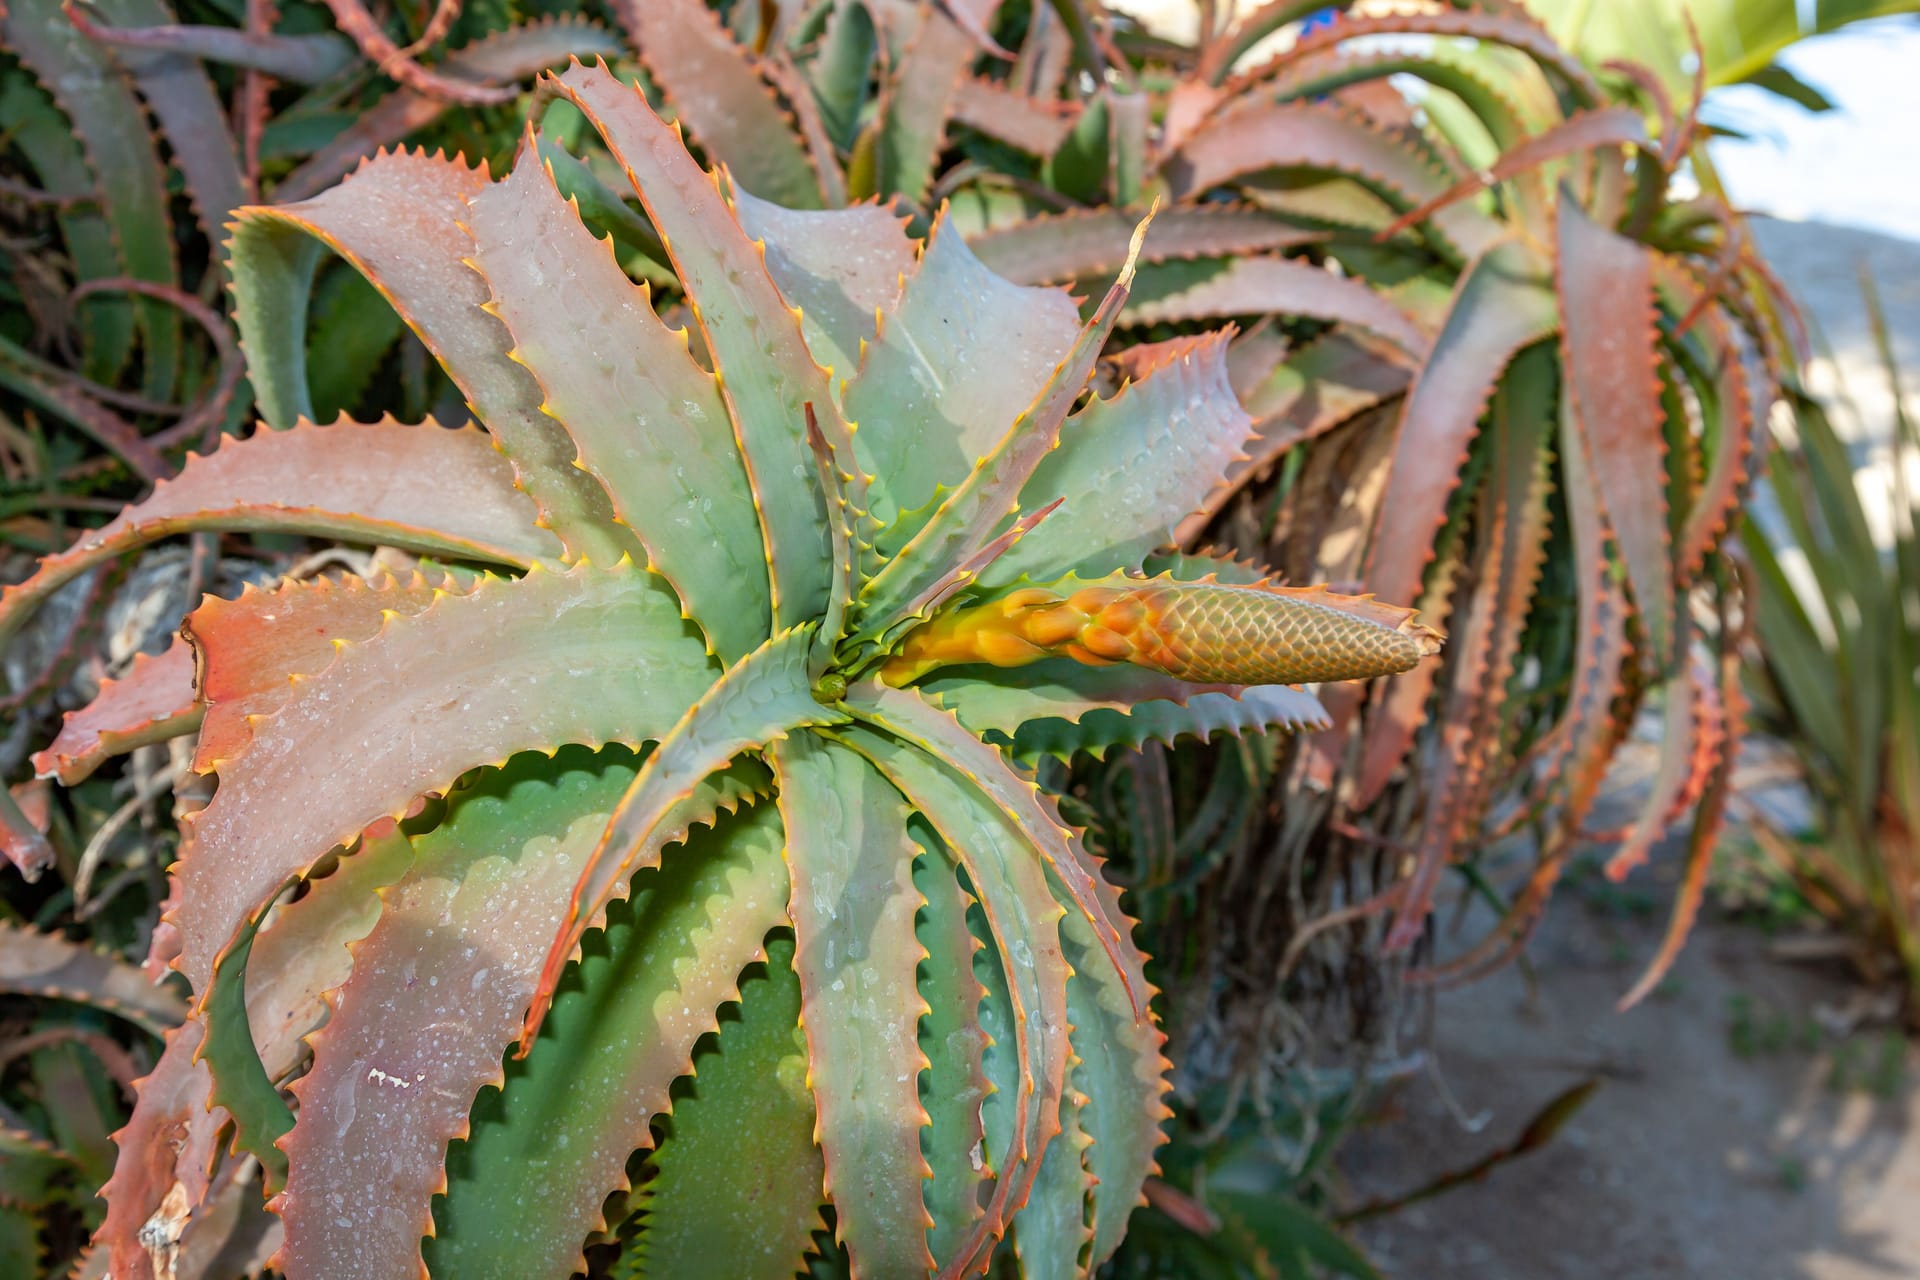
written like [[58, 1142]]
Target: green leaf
[[588, 656], [354, 325], [853, 906], [917, 100], [924, 411], [240, 1082], [840, 72], [650, 423], [1080, 168], [955, 1082], [1776, 79], [759, 700], [736, 1186], [527, 1183], [1050, 1233], [398, 220], [424, 488], [755, 340], [1280, 1226], [1128, 469], [839, 266], [1260, 708], [1020, 910], [111, 126]]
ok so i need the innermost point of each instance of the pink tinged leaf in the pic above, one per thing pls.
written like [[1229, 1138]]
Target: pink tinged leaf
[[1302, 135], [1611, 351], [990, 495], [916, 102], [1035, 125], [925, 409], [1686, 754], [424, 488], [839, 267], [1023, 917], [853, 904], [50, 966], [1034, 815], [1088, 243], [721, 97], [510, 54], [1499, 308], [1588, 131], [759, 354], [153, 702], [1282, 286], [250, 651], [650, 423], [759, 700], [1742, 390], [167, 1150], [357, 24], [436, 990], [21, 839], [590, 656], [398, 221], [305, 59], [1129, 468], [1315, 389], [951, 1037]]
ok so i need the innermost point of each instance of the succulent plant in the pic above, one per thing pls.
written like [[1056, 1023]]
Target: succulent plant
[[708, 689]]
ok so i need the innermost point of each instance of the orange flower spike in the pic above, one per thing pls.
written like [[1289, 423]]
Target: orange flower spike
[[1200, 631]]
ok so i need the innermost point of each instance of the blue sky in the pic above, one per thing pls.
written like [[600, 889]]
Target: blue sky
[[1858, 164]]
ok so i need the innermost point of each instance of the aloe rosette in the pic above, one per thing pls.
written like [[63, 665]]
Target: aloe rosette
[[690, 755]]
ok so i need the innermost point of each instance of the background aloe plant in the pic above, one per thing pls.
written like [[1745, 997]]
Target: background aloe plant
[[781, 621]]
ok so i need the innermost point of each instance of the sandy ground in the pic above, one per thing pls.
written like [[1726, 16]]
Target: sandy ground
[[1753, 1122]]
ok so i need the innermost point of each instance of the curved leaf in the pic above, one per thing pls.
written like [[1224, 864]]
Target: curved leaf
[[50, 966], [590, 656], [153, 702], [717, 93], [853, 905], [1088, 243], [759, 700], [758, 352], [735, 1193], [951, 1039], [423, 488], [650, 424], [397, 220], [1267, 285], [526, 1186]]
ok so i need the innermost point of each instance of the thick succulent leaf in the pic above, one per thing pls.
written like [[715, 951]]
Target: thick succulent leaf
[[251, 651], [840, 71], [153, 702], [840, 267], [302, 59], [1011, 884], [1612, 360], [1033, 124], [759, 700], [916, 101], [1739, 394], [1499, 308], [1032, 813], [720, 96], [398, 221], [650, 423], [1129, 468], [754, 337], [1051, 1232], [931, 564], [190, 115], [924, 410], [527, 1184], [1090, 243], [424, 488], [997, 701], [951, 1039], [43, 385], [592, 656], [507, 54], [1261, 285], [1123, 1071], [1259, 709], [50, 966], [736, 1188], [167, 1150], [853, 904], [1302, 135], [131, 184], [241, 1084]]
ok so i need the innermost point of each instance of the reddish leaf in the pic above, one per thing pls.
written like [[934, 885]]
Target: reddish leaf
[[1283, 287], [1089, 243], [154, 701], [1035, 125]]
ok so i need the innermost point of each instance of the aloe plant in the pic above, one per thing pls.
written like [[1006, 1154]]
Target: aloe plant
[[705, 693]]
